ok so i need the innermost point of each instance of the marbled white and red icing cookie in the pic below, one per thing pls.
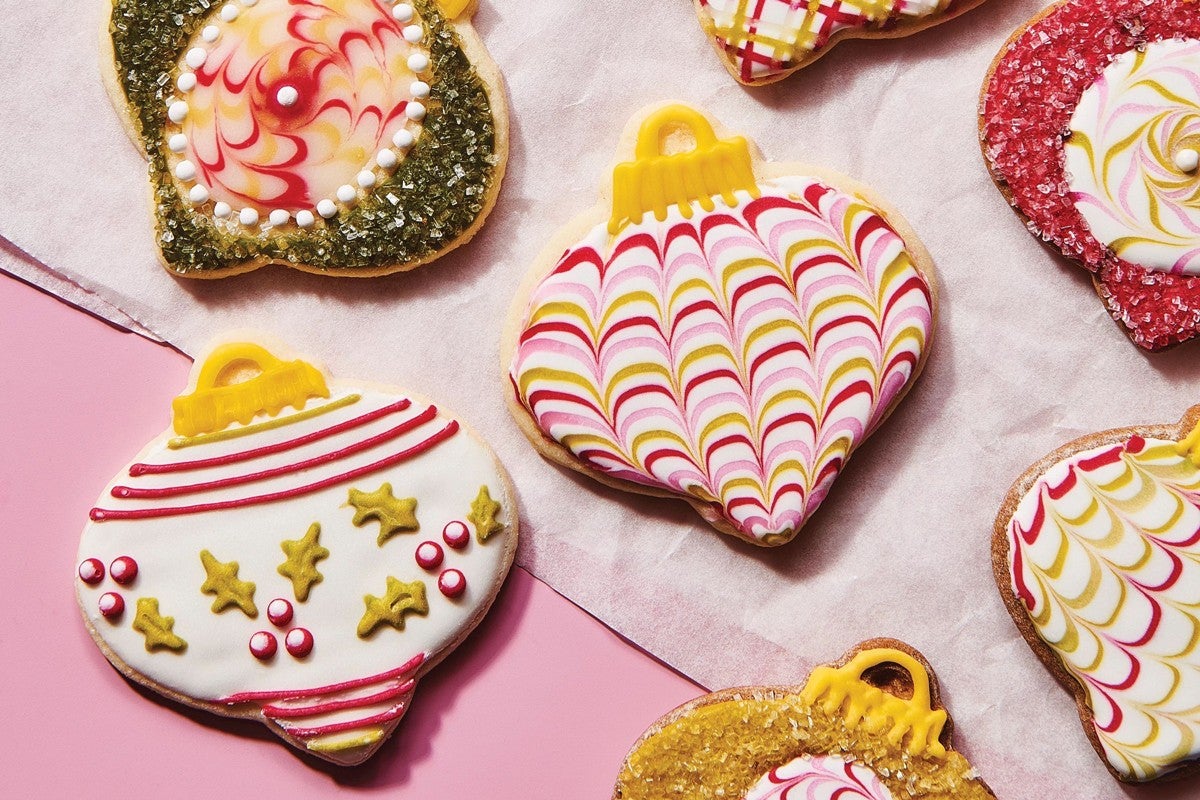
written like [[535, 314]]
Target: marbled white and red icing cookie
[[296, 551], [870, 727], [721, 330], [1097, 555], [347, 137], [1091, 128], [762, 41]]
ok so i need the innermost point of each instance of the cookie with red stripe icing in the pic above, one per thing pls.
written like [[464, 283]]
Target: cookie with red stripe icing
[[296, 551], [1097, 555], [720, 329], [342, 137], [1090, 129], [763, 41], [869, 727]]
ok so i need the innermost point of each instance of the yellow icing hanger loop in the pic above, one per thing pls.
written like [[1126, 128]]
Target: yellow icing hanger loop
[[218, 402], [654, 182], [1189, 446], [842, 691], [453, 9]]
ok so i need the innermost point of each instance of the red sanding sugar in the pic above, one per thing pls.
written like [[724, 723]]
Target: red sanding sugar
[[1027, 108]]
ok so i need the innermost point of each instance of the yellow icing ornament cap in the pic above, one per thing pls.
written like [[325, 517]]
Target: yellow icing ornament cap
[[654, 182], [843, 690], [453, 9], [1189, 446], [219, 400]]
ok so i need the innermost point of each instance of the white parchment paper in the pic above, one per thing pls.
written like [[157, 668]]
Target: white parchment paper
[[1025, 357]]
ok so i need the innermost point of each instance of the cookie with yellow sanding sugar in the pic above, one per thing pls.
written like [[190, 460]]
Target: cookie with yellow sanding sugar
[[868, 727], [1096, 552], [296, 550], [338, 137], [763, 41], [720, 329]]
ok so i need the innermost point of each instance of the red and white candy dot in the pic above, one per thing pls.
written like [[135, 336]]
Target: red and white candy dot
[[279, 611], [112, 605], [91, 571], [263, 645], [429, 555], [123, 570], [456, 534], [452, 583], [299, 642]]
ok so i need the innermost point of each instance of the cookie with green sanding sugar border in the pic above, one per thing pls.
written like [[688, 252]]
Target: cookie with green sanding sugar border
[[296, 550], [339, 137]]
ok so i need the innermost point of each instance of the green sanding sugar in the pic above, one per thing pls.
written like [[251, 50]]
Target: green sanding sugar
[[434, 195]]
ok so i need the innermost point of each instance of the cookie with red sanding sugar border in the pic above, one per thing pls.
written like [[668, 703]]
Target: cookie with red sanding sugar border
[[868, 727], [339, 137], [763, 41], [1091, 128], [720, 329], [1096, 552], [296, 551]]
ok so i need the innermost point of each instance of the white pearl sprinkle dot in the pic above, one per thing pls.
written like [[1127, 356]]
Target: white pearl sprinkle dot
[[210, 33], [1187, 160], [279, 217], [198, 194], [196, 57], [177, 143], [229, 12], [403, 12], [386, 159], [347, 193], [414, 110], [418, 62], [402, 138], [248, 216], [413, 33], [186, 81], [419, 89], [222, 210], [185, 170], [305, 218], [366, 179], [287, 96], [177, 111], [327, 208]]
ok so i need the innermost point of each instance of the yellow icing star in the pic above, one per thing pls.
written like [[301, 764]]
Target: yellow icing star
[[301, 564], [483, 515], [401, 598], [156, 628], [393, 514], [223, 581]]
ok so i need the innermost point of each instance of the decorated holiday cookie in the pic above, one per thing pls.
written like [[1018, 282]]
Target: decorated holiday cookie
[[340, 137], [296, 551], [870, 727], [762, 41], [720, 329], [1097, 554], [1091, 129]]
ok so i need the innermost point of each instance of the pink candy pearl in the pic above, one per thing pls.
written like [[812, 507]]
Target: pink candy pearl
[[299, 642], [452, 583], [263, 645]]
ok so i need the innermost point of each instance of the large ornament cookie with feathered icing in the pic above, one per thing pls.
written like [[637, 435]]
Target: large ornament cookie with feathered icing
[[1091, 128], [1097, 555], [870, 727], [296, 551], [342, 137], [721, 330]]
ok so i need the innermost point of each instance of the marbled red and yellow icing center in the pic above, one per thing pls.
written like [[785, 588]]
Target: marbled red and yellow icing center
[[295, 98], [828, 777], [1104, 553]]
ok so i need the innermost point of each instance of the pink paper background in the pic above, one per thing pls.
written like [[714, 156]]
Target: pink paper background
[[542, 701]]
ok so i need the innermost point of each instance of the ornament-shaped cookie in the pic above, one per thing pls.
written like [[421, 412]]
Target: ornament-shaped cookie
[[1097, 555], [720, 329], [1090, 129], [763, 41], [870, 727], [296, 551], [340, 137]]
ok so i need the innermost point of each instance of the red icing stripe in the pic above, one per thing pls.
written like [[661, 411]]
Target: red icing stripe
[[233, 458], [274, 472], [105, 514], [349, 725], [287, 694], [296, 712]]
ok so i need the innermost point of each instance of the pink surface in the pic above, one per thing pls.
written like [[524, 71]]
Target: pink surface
[[541, 701]]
